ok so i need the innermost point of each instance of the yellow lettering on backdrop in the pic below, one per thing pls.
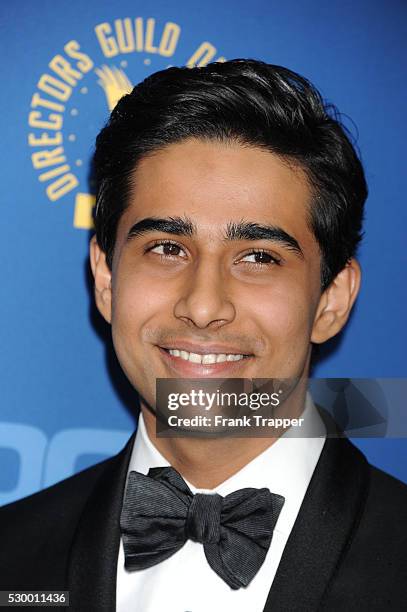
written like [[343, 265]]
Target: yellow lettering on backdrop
[[64, 69], [54, 121], [84, 63], [36, 100], [54, 87], [49, 157], [46, 176], [107, 44], [61, 186], [44, 140], [138, 22], [68, 74], [125, 35], [169, 39], [149, 48]]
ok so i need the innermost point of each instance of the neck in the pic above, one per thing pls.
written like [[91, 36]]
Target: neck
[[206, 463]]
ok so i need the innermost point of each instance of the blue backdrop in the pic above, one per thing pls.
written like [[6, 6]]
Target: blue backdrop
[[64, 403]]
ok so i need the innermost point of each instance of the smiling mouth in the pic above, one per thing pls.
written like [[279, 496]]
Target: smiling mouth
[[207, 358]]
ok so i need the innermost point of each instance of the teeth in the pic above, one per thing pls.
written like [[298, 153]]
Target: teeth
[[221, 358], [208, 358], [205, 359]]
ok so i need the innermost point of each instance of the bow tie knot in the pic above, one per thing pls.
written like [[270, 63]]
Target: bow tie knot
[[203, 519]]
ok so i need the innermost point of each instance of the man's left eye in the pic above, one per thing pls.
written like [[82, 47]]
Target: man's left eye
[[259, 257]]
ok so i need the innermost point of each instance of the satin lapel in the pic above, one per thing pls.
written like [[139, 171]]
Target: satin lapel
[[328, 515], [93, 559]]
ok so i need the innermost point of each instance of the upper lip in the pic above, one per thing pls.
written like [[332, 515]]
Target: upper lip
[[204, 349]]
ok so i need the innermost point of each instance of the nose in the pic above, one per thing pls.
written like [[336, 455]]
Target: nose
[[204, 301]]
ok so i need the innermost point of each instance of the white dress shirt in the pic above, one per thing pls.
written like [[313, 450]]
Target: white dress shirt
[[185, 582]]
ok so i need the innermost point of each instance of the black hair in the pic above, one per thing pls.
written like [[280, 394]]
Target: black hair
[[252, 103]]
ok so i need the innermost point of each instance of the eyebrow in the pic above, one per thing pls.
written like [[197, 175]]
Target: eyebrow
[[242, 230], [256, 231]]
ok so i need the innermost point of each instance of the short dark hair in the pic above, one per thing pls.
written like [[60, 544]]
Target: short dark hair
[[252, 103]]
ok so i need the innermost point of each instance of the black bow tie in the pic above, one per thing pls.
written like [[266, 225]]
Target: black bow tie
[[160, 514]]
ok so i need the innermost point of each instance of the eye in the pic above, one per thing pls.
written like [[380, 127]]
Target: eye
[[261, 258], [166, 249]]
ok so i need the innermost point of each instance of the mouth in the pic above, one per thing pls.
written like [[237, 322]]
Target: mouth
[[203, 361]]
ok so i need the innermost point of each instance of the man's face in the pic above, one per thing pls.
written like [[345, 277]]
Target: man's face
[[224, 270]]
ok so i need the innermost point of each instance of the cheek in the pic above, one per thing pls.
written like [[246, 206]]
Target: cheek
[[285, 316], [136, 297], [136, 301], [282, 318]]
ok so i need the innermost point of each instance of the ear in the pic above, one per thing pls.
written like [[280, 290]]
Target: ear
[[336, 303], [103, 279]]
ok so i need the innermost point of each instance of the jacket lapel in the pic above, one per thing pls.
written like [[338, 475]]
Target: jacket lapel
[[93, 558], [327, 519]]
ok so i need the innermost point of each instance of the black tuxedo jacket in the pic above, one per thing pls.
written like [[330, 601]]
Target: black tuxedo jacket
[[347, 550]]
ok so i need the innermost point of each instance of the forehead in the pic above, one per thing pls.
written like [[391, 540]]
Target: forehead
[[215, 183]]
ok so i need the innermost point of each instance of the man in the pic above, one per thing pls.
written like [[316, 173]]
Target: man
[[228, 215]]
